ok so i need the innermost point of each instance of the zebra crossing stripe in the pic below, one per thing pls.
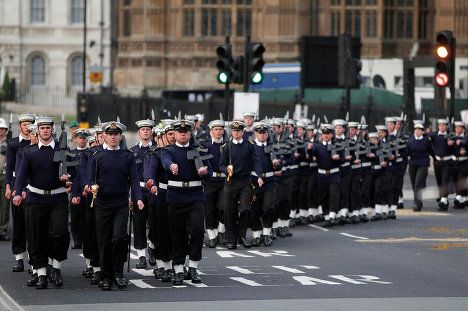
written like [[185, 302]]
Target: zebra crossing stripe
[[141, 284], [287, 269], [199, 285], [240, 270], [143, 272], [246, 281]]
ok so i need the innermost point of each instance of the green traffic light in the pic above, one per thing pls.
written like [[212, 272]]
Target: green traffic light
[[256, 78], [223, 78]]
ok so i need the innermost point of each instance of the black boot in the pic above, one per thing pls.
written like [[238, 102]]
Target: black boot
[[268, 242], [416, 208], [256, 242], [41, 282], [376, 217], [312, 219], [211, 243], [400, 206], [57, 277], [364, 218], [244, 242], [106, 285], [167, 276], [141, 264], [221, 238], [158, 273], [96, 278], [327, 224], [33, 280], [273, 233], [287, 231], [19, 267], [392, 215], [281, 232], [151, 258], [178, 279], [88, 272], [194, 275], [120, 281]]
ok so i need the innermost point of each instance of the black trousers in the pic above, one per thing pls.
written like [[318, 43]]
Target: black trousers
[[111, 230], [162, 232], [18, 242], [90, 242], [355, 201], [329, 194], [418, 175], [186, 223], [459, 175], [299, 195], [263, 212], [345, 190], [140, 221], [214, 209], [237, 198], [443, 172], [366, 189], [28, 233], [283, 197], [313, 190], [49, 233], [77, 213]]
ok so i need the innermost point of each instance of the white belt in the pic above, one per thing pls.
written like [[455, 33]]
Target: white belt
[[184, 184], [376, 167], [304, 164], [284, 168], [365, 164], [216, 174], [327, 172], [269, 174], [459, 158], [142, 184], [46, 192], [293, 167], [399, 160], [443, 158], [14, 175], [345, 164], [356, 166], [313, 164], [162, 186]]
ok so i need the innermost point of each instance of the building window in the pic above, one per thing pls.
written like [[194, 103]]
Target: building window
[[226, 22], [335, 23], [422, 30], [248, 2], [244, 21], [349, 21], [335, 2], [357, 24], [127, 23], [77, 11], [76, 70], [189, 22], [409, 25], [37, 11], [209, 22], [371, 25], [37, 74], [388, 26], [401, 23]]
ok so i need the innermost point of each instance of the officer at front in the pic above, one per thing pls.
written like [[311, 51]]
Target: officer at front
[[186, 201]]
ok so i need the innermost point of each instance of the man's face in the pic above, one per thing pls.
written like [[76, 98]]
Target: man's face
[[33, 137], [374, 141], [418, 132], [45, 132], [339, 130], [249, 121], [398, 125], [182, 137], [459, 130], [100, 138], [382, 134], [391, 127], [300, 131], [113, 139], [352, 132], [278, 129], [81, 141], [261, 136], [23, 126], [145, 133], [442, 127], [310, 133], [327, 136], [217, 132], [237, 134], [170, 136], [3, 131]]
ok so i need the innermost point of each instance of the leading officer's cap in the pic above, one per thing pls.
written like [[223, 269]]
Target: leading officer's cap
[[182, 125], [113, 127], [237, 125], [260, 127]]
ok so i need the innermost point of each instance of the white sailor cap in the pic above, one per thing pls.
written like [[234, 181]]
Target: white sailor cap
[[339, 122], [306, 121], [191, 117], [373, 135], [167, 121], [260, 127], [200, 116], [44, 121], [291, 122], [145, 123], [168, 128], [216, 123], [381, 128], [158, 130], [442, 121], [398, 119], [97, 129], [353, 124], [26, 117], [419, 126], [311, 127], [82, 132], [113, 127], [183, 125], [363, 126], [301, 124], [91, 139], [459, 123], [3, 124], [326, 128], [249, 114], [277, 121], [32, 128], [237, 125], [390, 120]]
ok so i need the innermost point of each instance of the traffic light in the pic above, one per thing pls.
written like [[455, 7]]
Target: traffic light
[[355, 67], [256, 62], [444, 59], [349, 67], [238, 70], [224, 63]]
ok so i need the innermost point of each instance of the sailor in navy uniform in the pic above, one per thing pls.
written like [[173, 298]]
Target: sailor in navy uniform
[[395, 178], [214, 212], [249, 119], [345, 170], [328, 175], [443, 148], [460, 165], [113, 172], [355, 202], [366, 175], [419, 150], [186, 202], [402, 159], [238, 160], [47, 203], [141, 217], [18, 243], [315, 213]]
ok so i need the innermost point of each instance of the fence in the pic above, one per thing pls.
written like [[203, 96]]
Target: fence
[[48, 98]]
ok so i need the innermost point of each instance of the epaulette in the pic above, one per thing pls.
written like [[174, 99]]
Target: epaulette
[[223, 145], [252, 142], [97, 151]]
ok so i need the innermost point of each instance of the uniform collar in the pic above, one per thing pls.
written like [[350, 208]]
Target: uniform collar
[[418, 138], [237, 141], [342, 136], [182, 146], [442, 133], [51, 144], [325, 143], [354, 138], [112, 149], [105, 146], [140, 144], [394, 133], [21, 138], [219, 141], [259, 143], [79, 148]]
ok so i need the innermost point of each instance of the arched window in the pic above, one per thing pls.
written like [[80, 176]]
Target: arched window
[[38, 72], [76, 70]]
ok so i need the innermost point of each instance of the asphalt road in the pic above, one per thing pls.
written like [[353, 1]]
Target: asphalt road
[[416, 262]]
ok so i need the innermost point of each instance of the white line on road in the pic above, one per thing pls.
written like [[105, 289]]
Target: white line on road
[[307, 280], [200, 285], [144, 272], [310, 267], [354, 236], [240, 270], [141, 284], [246, 281], [287, 269], [320, 228]]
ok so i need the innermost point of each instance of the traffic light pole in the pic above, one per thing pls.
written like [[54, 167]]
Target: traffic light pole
[[452, 79], [227, 89], [246, 63]]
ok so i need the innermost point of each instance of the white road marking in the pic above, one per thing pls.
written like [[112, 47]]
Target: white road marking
[[231, 254], [200, 285], [354, 236], [141, 284], [240, 270], [310, 267], [144, 272], [287, 269], [271, 254], [246, 281], [371, 279], [318, 227], [346, 279], [307, 280]]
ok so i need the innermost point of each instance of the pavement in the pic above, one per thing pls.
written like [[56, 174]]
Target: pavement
[[417, 262]]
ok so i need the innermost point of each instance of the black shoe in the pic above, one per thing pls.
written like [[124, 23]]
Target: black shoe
[[312, 219], [281, 232], [106, 285], [120, 282], [416, 208], [141, 264], [88, 272], [57, 279], [211, 243], [178, 279], [33, 280], [255, 242], [193, 273], [167, 276], [158, 273], [327, 224], [341, 221], [151, 258], [30, 271], [96, 278], [244, 242], [400, 206], [287, 231], [364, 218], [49, 273], [292, 222], [77, 245], [41, 282], [392, 215], [273, 233], [232, 245], [376, 217], [384, 216], [320, 218], [354, 220], [348, 221], [268, 241], [222, 238], [19, 267], [443, 207], [304, 221]]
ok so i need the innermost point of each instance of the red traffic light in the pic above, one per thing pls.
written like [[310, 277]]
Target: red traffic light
[[441, 79]]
